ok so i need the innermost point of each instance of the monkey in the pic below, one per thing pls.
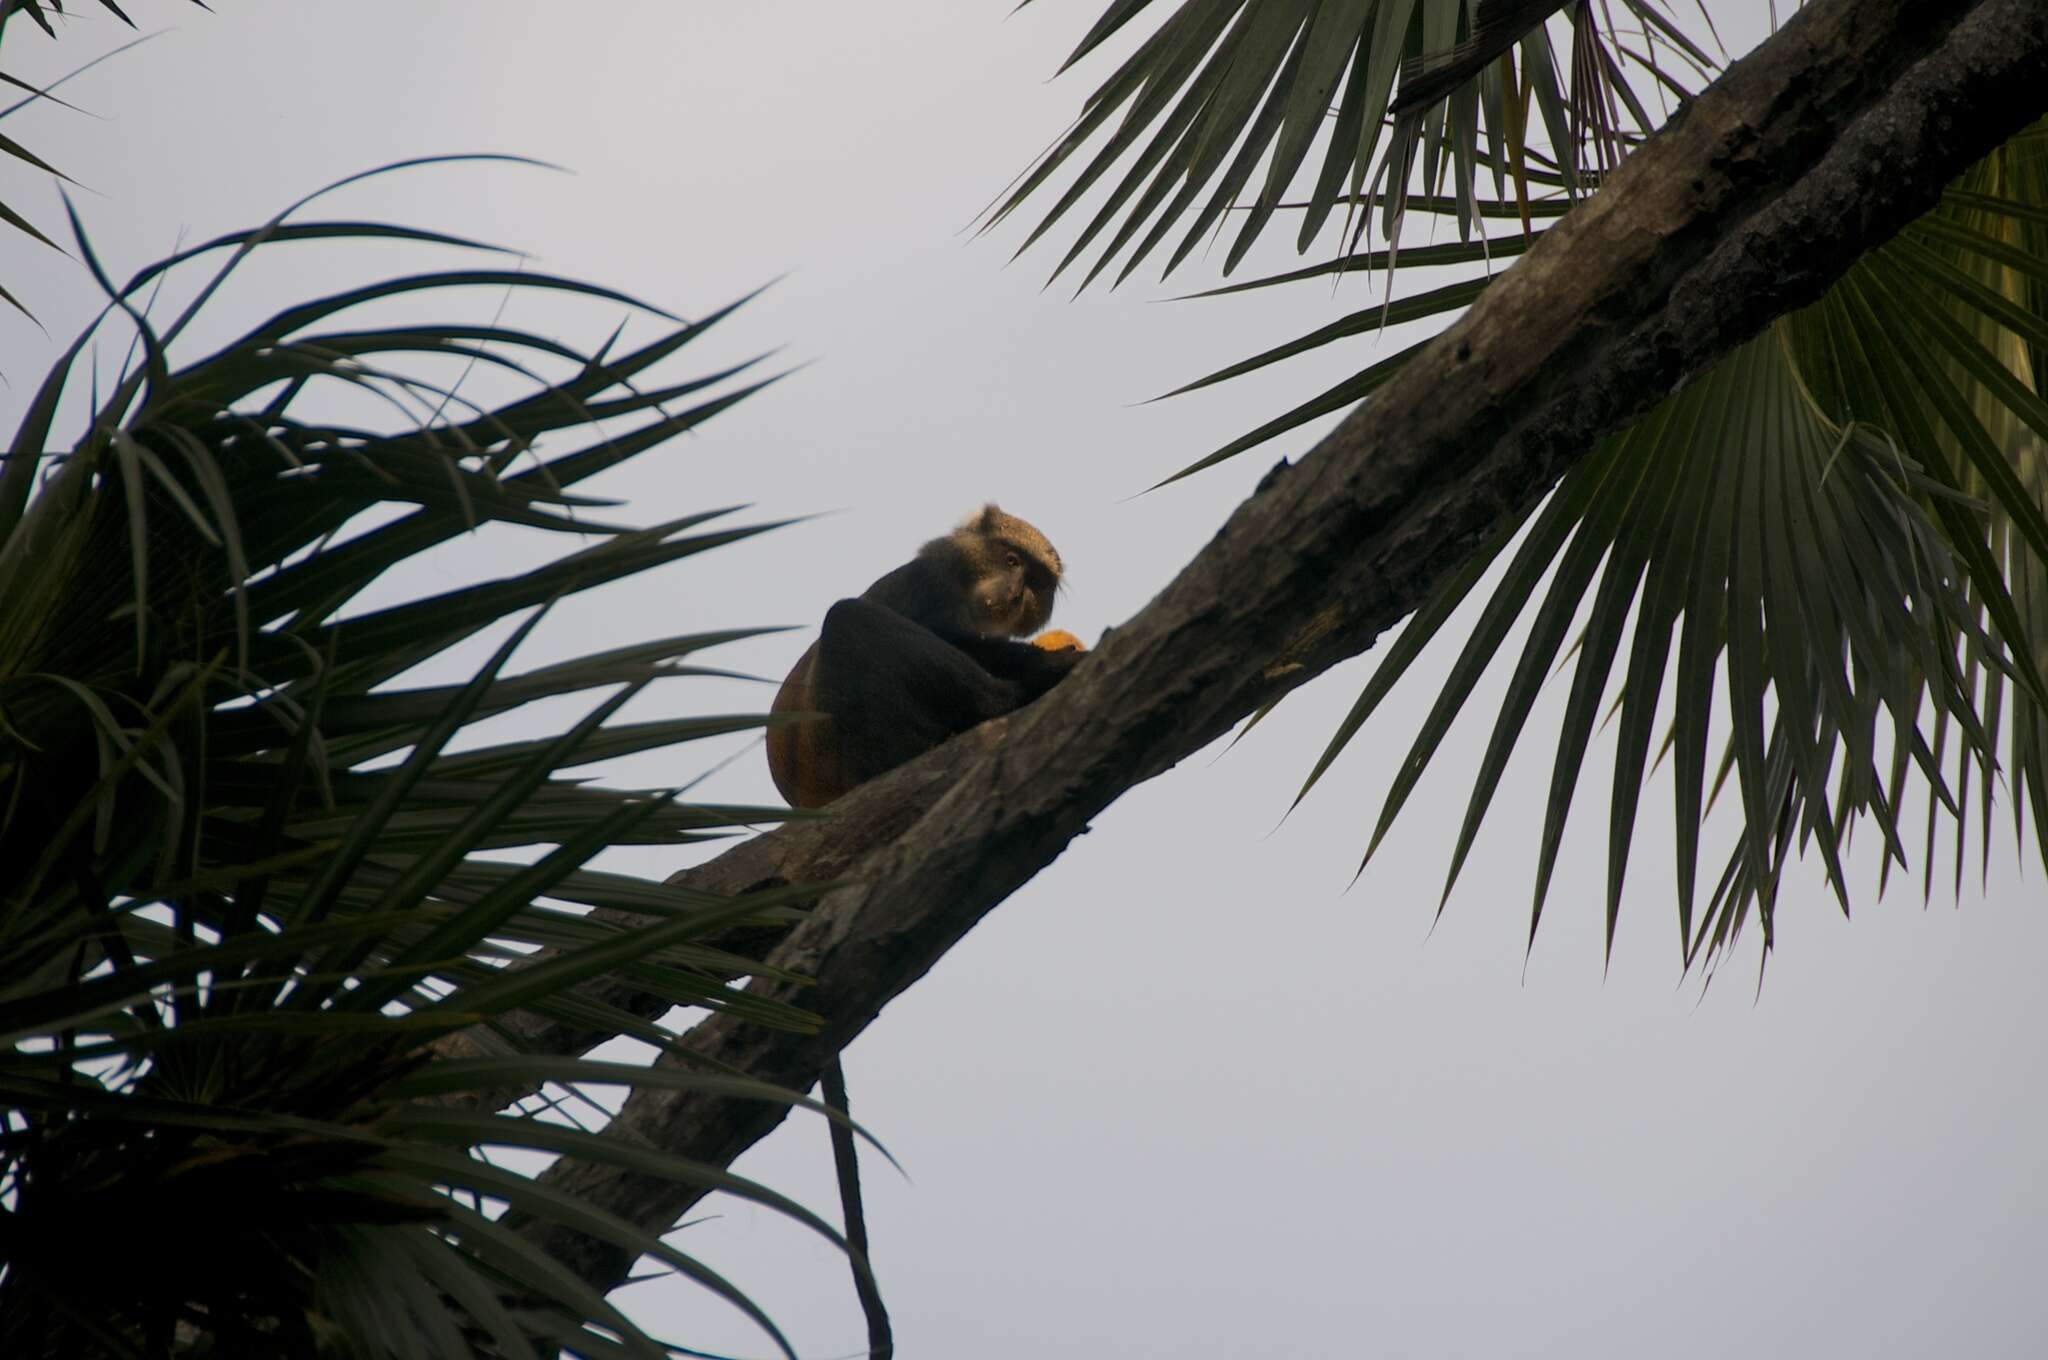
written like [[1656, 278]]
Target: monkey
[[923, 654]]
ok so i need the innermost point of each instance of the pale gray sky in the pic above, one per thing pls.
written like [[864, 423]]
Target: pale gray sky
[[1186, 1094]]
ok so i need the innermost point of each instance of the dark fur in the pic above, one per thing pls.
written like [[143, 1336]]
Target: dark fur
[[925, 653]]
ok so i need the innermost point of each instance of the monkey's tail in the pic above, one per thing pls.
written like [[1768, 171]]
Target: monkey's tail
[[881, 1341]]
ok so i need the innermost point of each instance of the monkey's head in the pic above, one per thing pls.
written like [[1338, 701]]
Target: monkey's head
[[1008, 570]]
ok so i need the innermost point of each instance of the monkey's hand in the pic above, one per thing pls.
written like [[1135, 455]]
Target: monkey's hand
[[1058, 640]]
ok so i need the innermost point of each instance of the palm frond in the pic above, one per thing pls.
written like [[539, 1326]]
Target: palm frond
[[1417, 96], [40, 11], [1849, 519], [246, 870], [1848, 516]]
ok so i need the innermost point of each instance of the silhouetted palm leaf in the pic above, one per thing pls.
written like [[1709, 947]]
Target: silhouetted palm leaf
[[1223, 87], [1850, 517], [241, 883], [40, 11]]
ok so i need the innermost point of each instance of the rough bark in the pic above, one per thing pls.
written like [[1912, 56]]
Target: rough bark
[[1821, 144]]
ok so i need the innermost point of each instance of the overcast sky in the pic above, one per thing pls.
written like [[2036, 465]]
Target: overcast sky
[[1190, 1093]]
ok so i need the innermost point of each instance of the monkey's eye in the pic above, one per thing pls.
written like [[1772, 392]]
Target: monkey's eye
[[1013, 562]]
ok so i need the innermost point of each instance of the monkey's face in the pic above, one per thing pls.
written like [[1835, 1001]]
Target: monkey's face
[[1005, 570], [1013, 592]]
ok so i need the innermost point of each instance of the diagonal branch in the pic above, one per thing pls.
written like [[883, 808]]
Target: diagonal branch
[[1818, 146]]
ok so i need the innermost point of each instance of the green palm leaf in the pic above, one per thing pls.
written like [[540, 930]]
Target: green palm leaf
[[1844, 525], [234, 925], [1223, 87], [1845, 519], [15, 152]]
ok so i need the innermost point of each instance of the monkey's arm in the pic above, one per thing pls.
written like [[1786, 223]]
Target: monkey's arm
[[895, 689], [1033, 669]]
